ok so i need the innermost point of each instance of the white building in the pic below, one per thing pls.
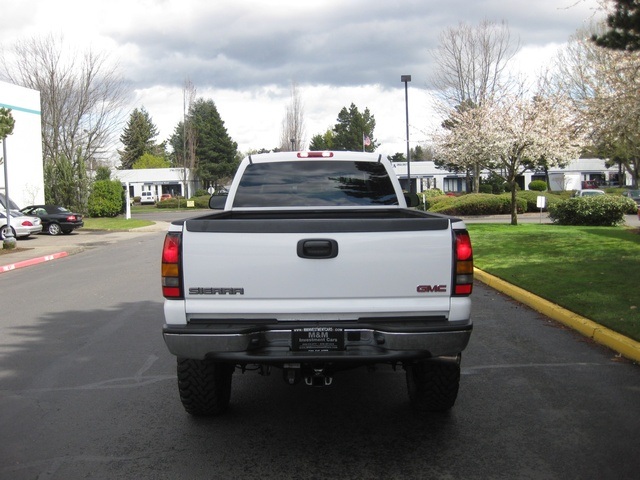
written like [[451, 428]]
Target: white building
[[24, 146], [174, 181], [573, 176], [425, 175]]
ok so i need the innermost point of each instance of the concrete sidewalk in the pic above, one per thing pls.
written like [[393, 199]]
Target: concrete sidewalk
[[43, 247]]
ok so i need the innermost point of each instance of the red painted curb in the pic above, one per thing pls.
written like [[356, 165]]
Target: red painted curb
[[33, 261]]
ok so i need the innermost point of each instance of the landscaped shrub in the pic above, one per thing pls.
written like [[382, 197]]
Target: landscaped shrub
[[496, 183], [202, 201], [180, 202], [105, 199], [425, 197], [601, 210], [437, 202], [538, 186], [173, 202], [631, 207], [531, 198], [478, 204]]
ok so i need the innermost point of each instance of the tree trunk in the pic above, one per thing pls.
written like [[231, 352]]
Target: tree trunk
[[514, 204]]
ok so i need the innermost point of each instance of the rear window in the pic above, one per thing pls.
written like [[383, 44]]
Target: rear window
[[315, 184]]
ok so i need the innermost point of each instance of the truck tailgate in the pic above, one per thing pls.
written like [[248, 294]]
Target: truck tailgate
[[371, 268]]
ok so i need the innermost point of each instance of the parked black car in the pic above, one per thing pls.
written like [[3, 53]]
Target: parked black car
[[55, 219]]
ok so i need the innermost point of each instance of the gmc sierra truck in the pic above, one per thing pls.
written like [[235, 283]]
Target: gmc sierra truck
[[313, 263]]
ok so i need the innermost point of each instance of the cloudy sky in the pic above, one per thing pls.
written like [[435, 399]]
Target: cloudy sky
[[244, 54]]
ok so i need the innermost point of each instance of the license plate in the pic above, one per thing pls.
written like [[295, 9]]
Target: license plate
[[318, 339]]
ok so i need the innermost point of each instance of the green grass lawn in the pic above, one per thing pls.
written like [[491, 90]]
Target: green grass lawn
[[592, 271], [115, 223]]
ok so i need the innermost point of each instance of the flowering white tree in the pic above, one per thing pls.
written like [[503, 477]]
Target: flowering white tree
[[517, 132], [526, 132]]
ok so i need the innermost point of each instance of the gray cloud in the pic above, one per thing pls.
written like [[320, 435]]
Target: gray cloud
[[353, 43]]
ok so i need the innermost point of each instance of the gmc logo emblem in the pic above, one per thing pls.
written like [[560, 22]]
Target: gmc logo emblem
[[431, 289]]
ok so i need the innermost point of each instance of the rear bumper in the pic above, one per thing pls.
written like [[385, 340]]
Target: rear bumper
[[71, 226], [26, 231], [362, 343]]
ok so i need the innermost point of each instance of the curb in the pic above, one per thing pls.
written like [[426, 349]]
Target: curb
[[32, 261], [625, 346]]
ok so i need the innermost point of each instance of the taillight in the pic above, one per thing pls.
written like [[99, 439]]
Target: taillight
[[463, 278], [27, 223], [171, 278], [71, 218]]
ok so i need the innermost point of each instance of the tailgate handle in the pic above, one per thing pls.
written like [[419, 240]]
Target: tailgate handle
[[317, 248]]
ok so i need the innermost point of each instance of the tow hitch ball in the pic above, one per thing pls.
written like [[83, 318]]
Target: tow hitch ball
[[318, 378]]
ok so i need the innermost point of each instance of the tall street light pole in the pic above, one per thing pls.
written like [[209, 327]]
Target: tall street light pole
[[406, 79], [9, 241]]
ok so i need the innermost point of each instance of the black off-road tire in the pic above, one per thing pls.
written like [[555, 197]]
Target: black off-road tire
[[204, 386], [433, 384]]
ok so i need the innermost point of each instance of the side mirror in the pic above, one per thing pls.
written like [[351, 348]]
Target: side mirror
[[412, 199], [217, 202]]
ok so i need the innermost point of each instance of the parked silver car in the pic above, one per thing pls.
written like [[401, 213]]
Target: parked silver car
[[21, 225]]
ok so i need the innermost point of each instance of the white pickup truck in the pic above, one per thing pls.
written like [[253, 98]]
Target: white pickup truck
[[313, 264]]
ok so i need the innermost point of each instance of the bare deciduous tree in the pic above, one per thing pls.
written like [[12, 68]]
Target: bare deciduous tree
[[189, 135], [471, 70], [472, 62], [292, 135], [604, 86], [186, 156], [82, 96]]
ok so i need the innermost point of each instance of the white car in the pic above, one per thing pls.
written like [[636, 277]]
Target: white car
[[21, 225], [147, 197], [591, 192]]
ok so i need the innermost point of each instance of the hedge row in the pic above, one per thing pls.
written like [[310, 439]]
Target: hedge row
[[180, 202], [474, 204], [601, 210]]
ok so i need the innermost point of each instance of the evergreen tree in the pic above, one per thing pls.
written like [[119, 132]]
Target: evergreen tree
[[150, 161], [624, 24], [322, 142], [352, 128], [137, 138], [6, 123], [215, 151], [102, 173], [397, 157]]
